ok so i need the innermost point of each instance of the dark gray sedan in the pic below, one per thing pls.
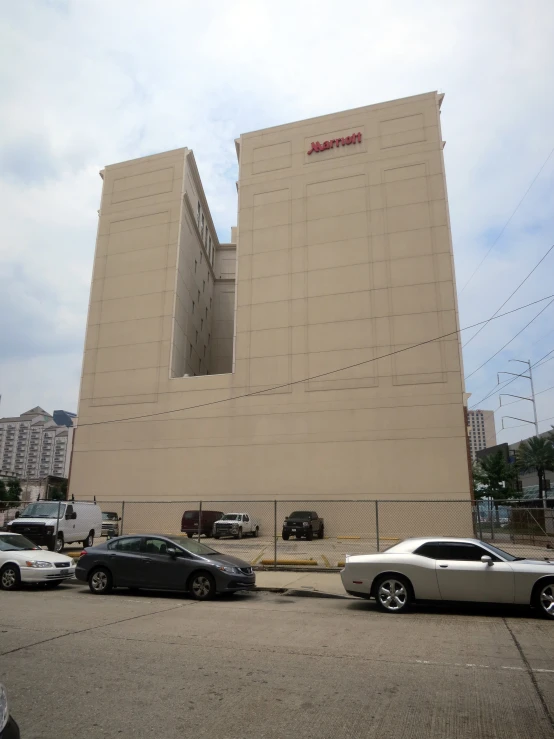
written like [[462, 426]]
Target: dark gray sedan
[[163, 563]]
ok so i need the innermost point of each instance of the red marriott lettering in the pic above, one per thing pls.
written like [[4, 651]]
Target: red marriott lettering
[[355, 138]]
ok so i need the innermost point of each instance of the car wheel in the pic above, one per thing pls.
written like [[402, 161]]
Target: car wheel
[[190, 535], [392, 593], [285, 537], [309, 535], [89, 541], [321, 533], [202, 586], [256, 532], [53, 583], [544, 598], [100, 581], [58, 546], [216, 536], [239, 535], [10, 577]]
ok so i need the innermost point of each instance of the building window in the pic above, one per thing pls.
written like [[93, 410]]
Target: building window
[[201, 324], [204, 349], [203, 223], [195, 266], [196, 337], [206, 313], [190, 350], [208, 276], [209, 336], [199, 297], [203, 285], [199, 211], [200, 365], [193, 307], [210, 303], [200, 257]]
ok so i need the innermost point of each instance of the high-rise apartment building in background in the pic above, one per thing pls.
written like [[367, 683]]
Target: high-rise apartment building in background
[[33, 445], [482, 431], [299, 360]]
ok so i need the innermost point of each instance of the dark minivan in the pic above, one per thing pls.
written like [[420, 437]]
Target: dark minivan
[[189, 522]]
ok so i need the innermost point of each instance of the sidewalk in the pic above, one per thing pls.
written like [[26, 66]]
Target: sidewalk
[[320, 582]]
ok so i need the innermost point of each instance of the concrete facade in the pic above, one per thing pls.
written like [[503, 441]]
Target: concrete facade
[[343, 260], [481, 431]]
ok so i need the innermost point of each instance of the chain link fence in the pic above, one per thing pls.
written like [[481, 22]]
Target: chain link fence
[[257, 532]]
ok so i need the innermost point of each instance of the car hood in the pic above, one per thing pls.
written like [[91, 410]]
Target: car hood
[[24, 521], [40, 554], [533, 564], [228, 559]]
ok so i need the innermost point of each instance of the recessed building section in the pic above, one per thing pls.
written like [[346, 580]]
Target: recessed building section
[[301, 359]]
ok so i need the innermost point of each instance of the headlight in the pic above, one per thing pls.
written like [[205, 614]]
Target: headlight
[[4, 710], [39, 563], [229, 570]]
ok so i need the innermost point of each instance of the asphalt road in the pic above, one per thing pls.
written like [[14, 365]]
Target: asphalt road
[[263, 665]]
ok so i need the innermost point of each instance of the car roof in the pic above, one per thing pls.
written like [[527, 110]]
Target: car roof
[[414, 542]]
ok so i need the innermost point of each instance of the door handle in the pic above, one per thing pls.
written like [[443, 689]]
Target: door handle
[[147, 561], [443, 566]]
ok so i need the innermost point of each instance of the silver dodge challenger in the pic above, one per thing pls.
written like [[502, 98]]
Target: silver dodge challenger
[[449, 569]]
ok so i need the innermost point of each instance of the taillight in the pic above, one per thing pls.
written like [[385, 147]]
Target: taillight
[[82, 553]]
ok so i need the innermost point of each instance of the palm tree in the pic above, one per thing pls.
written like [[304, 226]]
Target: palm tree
[[537, 453], [496, 479]]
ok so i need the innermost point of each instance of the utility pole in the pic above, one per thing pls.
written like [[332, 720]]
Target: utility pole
[[529, 377]]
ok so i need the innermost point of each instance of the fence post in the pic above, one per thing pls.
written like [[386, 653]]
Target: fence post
[[274, 533], [479, 521], [199, 520], [122, 517], [57, 525], [492, 519], [377, 523]]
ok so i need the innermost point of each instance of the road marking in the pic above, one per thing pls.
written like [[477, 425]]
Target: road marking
[[480, 667]]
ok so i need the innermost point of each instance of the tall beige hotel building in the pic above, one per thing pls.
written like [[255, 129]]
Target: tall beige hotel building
[[280, 364]]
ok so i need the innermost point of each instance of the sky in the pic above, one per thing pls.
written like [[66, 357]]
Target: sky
[[85, 83]]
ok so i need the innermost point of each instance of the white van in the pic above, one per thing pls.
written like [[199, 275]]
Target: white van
[[77, 522]]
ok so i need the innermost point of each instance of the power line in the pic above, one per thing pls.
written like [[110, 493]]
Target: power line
[[509, 342], [511, 295], [507, 222], [548, 360], [513, 402], [313, 377], [508, 382]]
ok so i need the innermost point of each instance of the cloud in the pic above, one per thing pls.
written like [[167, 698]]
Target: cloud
[[100, 83]]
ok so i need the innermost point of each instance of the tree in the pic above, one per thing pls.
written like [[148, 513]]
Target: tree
[[3, 493], [537, 454], [496, 479], [11, 495]]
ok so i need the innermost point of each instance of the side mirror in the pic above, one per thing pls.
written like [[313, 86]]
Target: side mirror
[[172, 552], [486, 560]]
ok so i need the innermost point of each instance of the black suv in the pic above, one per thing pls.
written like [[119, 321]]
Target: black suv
[[303, 523]]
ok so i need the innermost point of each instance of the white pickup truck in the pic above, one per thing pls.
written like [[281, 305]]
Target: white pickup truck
[[236, 525]]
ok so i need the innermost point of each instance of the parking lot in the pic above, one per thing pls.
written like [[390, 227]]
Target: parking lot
[[270, 665]]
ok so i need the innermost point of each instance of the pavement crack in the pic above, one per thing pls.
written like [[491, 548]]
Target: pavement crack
[[531, 674], [92, 628]]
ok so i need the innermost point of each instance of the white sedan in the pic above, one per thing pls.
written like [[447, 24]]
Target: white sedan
[[23, 561], [449, 569]]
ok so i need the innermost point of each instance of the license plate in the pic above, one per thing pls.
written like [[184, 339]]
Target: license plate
[[293, 531]]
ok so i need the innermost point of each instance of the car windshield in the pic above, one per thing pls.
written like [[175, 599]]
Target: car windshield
[[301, 514], [189, 515], [231, 517], [503, 554], [109, 516], [44, 510], [193, 546], [15, 543]]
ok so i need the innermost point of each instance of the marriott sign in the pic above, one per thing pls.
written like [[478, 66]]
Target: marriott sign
[[355, 138]]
